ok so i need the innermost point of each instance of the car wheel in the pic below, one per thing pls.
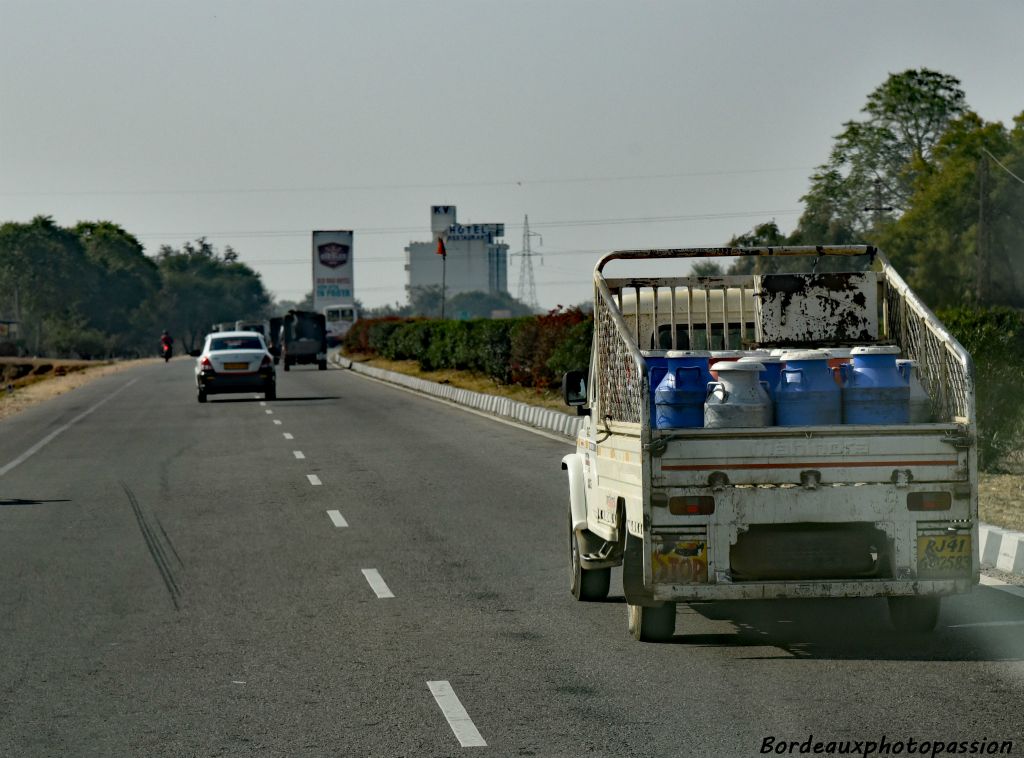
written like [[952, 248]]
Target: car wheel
[[287, 364], [585, 584], [201, 396], [270, 393]]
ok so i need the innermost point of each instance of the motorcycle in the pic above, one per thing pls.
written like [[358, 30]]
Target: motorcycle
[[165, 351]]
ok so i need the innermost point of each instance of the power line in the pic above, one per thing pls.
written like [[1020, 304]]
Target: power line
[[1004, 168], [270, 233], [400, 186]]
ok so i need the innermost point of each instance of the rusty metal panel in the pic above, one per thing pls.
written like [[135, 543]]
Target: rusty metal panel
[[828, 308]]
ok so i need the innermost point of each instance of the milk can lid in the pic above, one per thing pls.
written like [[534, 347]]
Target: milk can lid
[[726, 353], [687, 354], [750, 366], [760, 359], [876, 350]]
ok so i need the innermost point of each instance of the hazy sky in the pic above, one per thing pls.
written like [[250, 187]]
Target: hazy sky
[[612, 124]]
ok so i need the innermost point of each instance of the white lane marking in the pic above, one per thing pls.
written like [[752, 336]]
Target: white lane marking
[[278, 421], [287, 436], [337, 518], [460, 722], [314, 479], [999, 584], [50, 437], [262, 403], [299, 455], [377, 583], [269, 412], [987, 623]]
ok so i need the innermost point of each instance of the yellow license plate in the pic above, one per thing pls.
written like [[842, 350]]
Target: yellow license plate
[[679, 561], [236, 366], [943, 554]]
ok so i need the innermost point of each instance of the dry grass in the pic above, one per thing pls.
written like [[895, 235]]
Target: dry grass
[[63, 376], [468, 380], [1001, 500]]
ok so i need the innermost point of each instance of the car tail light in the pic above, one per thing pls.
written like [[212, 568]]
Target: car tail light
[[266, 362], [205, 365], [929, 501], [691, 505]]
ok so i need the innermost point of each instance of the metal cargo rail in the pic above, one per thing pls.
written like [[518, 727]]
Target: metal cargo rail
[[709, 308]]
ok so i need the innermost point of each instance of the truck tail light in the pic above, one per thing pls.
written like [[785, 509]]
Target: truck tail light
[[929, 501], [691, 505]]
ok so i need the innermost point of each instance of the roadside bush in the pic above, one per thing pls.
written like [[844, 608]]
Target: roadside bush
[[995, 339], [534, 342], [573, 352]]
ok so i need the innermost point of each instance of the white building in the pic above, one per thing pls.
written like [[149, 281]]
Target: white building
[[477, 262]]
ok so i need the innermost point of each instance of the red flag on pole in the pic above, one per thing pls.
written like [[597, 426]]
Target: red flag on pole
[[441, 248]]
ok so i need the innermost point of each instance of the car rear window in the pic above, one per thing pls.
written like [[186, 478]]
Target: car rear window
[[235, 343]]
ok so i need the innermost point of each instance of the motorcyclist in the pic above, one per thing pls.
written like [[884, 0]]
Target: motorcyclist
[[166, 344]]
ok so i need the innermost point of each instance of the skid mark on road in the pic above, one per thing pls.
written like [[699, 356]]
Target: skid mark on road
[[156, 549], [458, 719]]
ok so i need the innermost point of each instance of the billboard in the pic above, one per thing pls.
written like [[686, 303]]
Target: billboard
[[332, 269]]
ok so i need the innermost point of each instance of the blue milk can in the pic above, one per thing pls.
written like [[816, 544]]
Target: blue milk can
[[771, 369], [657, 366], [874, 390], [679, 398], [806, 394]]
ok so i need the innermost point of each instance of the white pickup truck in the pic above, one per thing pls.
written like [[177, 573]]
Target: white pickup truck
[[829, 511]]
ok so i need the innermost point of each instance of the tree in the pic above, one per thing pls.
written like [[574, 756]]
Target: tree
[[704, 267], [965, 220], [762, 235], [201, 287], [875, 162]]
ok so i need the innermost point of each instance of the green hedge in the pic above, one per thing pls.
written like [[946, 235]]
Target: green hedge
[[532, 351], [995, 339]]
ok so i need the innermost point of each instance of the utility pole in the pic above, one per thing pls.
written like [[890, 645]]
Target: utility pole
[[981, 253], [527, 290]]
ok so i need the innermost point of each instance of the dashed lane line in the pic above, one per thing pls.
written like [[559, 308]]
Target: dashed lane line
[[262, 403], [338, 520], [59, 430], [314, 480], [377, 584], [269, 412], [299, 455], [462, 725], [278, 421], [287, 436]]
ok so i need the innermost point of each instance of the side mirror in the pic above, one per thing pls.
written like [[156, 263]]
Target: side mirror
[[574, 389]]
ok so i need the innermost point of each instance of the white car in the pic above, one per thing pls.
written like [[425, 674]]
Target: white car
[[235, 362]]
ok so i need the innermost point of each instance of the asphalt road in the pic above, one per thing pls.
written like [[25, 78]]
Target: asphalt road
[[173, 583]]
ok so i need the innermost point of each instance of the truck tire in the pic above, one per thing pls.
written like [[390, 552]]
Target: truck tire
[[287, 363], [914, 615], [652, 623], [585, 584], [321, 365]]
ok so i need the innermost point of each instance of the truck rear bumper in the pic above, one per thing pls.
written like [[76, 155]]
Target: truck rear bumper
[[774, 590]]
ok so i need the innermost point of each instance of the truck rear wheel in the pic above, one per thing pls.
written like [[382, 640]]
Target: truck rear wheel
[[652, 623], [916, 615], [585, 584], [321, 365], [287, 363]]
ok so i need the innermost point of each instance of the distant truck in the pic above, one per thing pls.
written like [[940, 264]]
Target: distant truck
[[844, 504], [251, 326], [301, 339], [333, 289]]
